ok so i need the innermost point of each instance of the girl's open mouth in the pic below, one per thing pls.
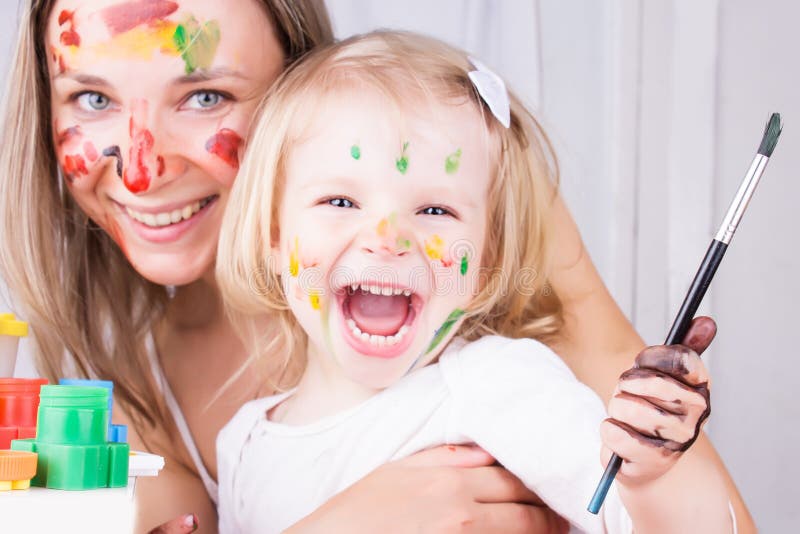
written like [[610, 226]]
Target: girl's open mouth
[[378, 319]]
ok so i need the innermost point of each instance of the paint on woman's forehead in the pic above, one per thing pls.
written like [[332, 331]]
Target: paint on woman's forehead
[[125, 16], [69, 36], [197, 43], [225, 145], [139, 30]]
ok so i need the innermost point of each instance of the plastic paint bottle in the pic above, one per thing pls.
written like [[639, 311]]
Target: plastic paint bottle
[[10, 332]]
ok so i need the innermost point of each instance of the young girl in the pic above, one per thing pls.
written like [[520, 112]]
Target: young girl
[[390, 210]]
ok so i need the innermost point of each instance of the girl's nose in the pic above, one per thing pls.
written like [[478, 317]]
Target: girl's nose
[[388, 237], [143, 164]]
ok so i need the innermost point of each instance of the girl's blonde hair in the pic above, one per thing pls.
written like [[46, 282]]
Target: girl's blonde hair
[[408, 70], [89, 310]]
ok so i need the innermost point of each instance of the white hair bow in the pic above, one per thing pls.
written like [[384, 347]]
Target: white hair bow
[[492, 90]]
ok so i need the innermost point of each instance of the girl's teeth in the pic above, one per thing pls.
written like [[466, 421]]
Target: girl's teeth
[[163, 219], [187, 212], [376, 340]]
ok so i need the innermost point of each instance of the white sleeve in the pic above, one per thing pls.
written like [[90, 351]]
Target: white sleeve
[[522, 404]]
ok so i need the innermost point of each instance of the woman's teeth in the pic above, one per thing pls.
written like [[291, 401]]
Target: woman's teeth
[[375, 340], [378, 290], [157, 220]]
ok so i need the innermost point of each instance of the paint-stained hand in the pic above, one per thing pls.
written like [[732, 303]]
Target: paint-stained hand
[[659, 406]]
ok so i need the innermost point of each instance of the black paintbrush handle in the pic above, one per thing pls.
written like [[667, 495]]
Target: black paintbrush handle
[[716, 250]]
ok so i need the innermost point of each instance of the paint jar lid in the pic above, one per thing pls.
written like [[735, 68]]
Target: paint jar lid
[[9, 326], [20, 386], [17, 465], [85, 397]]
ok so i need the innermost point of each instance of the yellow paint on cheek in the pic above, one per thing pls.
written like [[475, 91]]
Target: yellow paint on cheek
[[313, 297], [434, 247], [294, 258]]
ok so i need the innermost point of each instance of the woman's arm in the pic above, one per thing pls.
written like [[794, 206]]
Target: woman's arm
[[449, 489], [599, 343], [173, 494]]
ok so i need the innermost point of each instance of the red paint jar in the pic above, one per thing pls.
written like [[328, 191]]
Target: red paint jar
[[19, 404]]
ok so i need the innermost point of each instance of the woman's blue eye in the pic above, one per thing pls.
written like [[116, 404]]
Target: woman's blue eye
[[204, 99], [434, 210], [91, 101], [340, 202]]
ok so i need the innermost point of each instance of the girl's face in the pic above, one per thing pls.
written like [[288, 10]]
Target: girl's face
[[151, 100], [382, 224]]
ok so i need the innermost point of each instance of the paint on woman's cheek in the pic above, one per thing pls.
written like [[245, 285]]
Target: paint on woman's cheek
[[355, 152], [68, 37], [225, 145], [66, 136], [90, 151], [114, 152], [125, 16]]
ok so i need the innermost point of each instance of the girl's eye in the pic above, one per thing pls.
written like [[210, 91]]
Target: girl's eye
[[204, 100], [434, 210], [340, 202], [91, 101]]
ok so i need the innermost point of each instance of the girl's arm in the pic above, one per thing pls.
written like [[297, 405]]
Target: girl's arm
[[599, 343]]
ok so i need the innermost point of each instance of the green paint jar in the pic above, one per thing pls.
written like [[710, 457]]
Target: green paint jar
[[72, 441]]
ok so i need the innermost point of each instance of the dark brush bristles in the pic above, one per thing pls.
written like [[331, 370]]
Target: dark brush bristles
[[771, 134]]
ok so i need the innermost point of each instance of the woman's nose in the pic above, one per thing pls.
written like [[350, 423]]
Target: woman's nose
[[142, 162]]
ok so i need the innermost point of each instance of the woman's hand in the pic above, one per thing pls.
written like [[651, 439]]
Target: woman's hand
[[446, 489], [184, 524], [659, 406]]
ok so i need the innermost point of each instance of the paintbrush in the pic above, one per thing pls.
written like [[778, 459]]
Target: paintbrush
[[706, 272]]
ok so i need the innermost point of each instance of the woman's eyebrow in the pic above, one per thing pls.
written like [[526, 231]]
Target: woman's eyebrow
[[85, 79], [207, 75]]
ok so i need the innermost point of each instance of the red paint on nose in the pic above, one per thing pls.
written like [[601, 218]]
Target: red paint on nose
[[137, 175], [225, 145]]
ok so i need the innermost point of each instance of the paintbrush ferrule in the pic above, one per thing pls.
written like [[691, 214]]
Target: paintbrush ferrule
[[741, 200]]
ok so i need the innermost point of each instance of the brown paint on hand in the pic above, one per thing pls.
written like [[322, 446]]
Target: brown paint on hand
[[125, 16]]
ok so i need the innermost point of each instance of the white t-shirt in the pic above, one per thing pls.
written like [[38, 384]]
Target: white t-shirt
[[514, 398]]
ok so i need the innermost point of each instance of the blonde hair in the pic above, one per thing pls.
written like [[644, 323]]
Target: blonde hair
[[89, 310], [401, 66]]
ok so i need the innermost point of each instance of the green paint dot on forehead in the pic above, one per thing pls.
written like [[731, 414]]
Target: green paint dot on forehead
[[355, 152], [452, 162], [197, 43], [402, 162]]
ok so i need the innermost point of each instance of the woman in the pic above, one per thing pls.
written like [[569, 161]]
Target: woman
[[127, 120]]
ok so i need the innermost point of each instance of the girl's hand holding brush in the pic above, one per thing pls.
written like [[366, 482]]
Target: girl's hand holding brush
[[659, 407]]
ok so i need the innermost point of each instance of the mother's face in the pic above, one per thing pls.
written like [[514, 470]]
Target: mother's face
[[151, 100]]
